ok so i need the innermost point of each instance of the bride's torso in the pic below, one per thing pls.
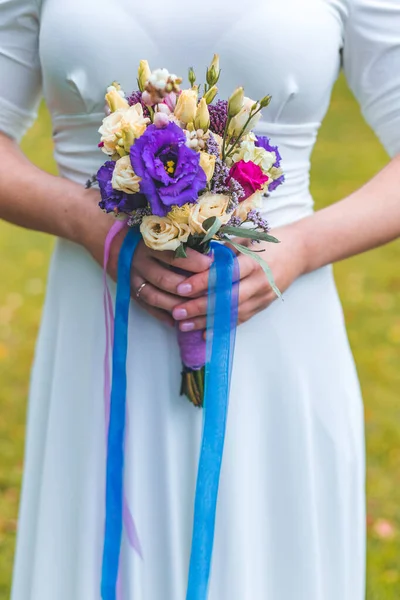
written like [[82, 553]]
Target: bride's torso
[[289, 49]]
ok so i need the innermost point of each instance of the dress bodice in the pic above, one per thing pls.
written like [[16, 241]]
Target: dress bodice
[[71, 51]]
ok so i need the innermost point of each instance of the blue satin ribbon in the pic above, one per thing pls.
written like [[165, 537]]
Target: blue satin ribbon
[[221, 321], [222, 312], [116, 431]]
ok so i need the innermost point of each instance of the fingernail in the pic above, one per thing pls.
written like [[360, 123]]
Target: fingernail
[[179, 313], [184, 288], [188, 326]]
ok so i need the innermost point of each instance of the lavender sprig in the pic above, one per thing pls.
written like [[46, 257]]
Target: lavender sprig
[[136, 98], [255, 217], [237, 192], [218, 116], [136, 218], [234, 221]]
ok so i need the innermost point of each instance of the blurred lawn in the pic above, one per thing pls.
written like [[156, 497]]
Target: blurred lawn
[[347, 154]]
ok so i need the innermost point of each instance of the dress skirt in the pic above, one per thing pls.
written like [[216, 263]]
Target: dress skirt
[[290, 521]]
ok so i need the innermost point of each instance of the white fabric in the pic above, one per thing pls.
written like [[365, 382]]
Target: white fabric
[[290, 519]]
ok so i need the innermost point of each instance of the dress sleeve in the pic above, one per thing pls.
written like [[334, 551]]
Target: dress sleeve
[[20, 72], [371, 60]]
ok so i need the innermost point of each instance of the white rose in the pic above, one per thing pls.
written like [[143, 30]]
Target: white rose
[[248, 151], [208, 205], [109, 130], [124, 178], [237, 123], [252, 202], [160, 233], [276, 172], [250, 137]]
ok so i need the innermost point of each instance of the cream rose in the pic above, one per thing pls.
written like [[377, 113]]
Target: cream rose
[[185, 109], [248, 151], [207, 163], [124, 178], [209, 205], [252, 202], [121, 128], [161, 233], [110, 131], [180, 214], [237, 123], [133, 125]]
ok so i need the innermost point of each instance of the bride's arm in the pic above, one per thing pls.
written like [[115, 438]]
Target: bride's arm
[[364, 220], [31, 198]]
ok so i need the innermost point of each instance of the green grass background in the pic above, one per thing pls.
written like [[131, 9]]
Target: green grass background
[[347, 154]]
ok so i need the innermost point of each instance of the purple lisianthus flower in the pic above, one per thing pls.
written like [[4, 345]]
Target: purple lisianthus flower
[[115, 200], [170, 171], [264, 142]]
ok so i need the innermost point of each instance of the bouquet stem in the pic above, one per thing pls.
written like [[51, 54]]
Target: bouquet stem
[[192, 385]]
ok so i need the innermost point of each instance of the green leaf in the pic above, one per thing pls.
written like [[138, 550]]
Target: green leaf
[[249, 233], [261, 262], [211, 229], [180, 252], [209, 222]]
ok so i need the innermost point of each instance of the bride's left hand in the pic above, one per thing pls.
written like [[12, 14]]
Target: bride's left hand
[[286, 261]]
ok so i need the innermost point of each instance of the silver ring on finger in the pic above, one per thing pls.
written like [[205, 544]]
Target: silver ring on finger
[[140, 289]]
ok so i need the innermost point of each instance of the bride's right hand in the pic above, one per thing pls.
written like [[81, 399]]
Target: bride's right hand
[[155, 269]]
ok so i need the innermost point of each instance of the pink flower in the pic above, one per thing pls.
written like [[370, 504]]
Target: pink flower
[[249, 175]]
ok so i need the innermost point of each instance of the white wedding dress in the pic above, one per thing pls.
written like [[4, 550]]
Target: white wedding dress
[[291, 518]]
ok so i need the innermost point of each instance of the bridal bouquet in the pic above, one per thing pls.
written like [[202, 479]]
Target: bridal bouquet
[[187, 170]]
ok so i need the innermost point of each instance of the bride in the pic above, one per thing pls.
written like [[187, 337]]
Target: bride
[[291, 517]]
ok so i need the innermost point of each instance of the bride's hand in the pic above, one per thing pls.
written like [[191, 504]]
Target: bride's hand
[[286, 261], [154, 269]]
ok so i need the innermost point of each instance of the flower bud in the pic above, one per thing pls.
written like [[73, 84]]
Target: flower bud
[[265, 101], [202, 118], [210, 95], [147, 99], [163, 108], [115, 100], [244, 121], [160, 120], [213, 71], [207, 163], [144, 73], [235, 102], [192, 76], [186, 106]]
